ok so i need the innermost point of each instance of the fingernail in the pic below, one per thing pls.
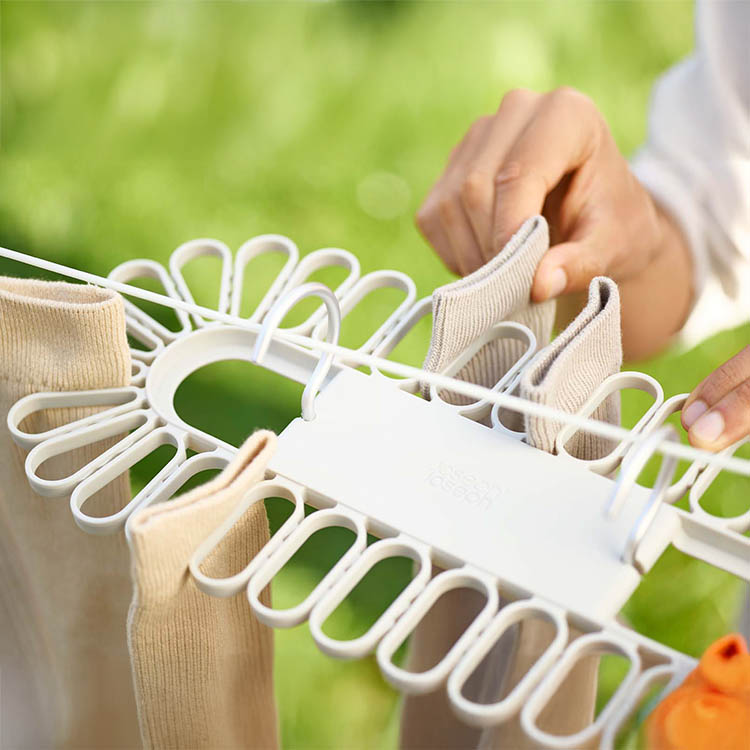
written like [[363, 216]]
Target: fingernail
[[556, 283], [693, 411], [708, 428]]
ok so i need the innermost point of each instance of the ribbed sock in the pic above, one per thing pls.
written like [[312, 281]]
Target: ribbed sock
[[203, 666], [63, 601], [465, 309], [462, 312], [564, 375], [567, 372]]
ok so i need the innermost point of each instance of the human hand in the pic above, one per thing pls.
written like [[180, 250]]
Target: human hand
[[552, 154], [717, 413]]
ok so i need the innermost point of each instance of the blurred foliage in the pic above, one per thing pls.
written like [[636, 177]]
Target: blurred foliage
[[128, 128]]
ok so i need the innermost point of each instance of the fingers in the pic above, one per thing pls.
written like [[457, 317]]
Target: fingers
[[548, 153], [442, 219], [477, 190], [717, 413], [569, 267], [456, 217], [563, 134]]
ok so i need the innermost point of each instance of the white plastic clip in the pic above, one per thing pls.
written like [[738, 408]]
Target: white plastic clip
[[276, 315]]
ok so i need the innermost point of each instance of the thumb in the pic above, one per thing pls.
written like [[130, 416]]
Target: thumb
[[569, 267]]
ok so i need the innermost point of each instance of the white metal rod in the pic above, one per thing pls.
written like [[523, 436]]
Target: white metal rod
[[444, 382]]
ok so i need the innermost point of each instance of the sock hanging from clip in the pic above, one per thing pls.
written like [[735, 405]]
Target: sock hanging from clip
[[203, 666], [64, 596], [465, 309], [564, 375], [462, 312], [572, 367]]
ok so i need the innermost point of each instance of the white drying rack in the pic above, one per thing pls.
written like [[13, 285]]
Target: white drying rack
[[555, 534]]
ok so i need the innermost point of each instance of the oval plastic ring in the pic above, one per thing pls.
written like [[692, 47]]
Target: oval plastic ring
[[634, 464], [271, 323], [141, 422], [489, 714], [116, 467], [130, 270], [265, 244], [315, 261], [594, 643], [431, 679], [206, 248], [357, 648], [120, 401], [739, 523], [231, 585], [512, 390], [644, 685], [618, 382], [365, 286], [142, 334], [216, 458], [685, 482], [287, 618], [508, 331], [397, 334], [138, 371]]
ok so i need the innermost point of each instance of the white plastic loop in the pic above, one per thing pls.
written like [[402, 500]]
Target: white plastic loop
[[116, 467], [398, 333], [274, 318], [265, 244], [315, 261], [287, 618], [489, 714], [671, 406], [217, 458], [618, 382], [431, 679], [127, 272], [586, 645], [512, 388], [202, 248], [153, 343], [120, 401], [365, 286], [506, 330], [634, 464], [739, 523], [360, 647], [664, 673], [142, 422], [138, 372], [231, 585]]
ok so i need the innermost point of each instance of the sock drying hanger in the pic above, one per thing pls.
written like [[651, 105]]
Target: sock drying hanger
[[553, 533]]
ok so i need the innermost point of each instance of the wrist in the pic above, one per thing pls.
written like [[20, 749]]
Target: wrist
[[656, 302]]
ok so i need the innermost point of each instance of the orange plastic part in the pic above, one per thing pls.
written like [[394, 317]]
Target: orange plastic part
[[711, 709]]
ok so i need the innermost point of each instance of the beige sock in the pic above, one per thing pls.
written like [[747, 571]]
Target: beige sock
[[564, 375], [64, 669], [499, 290], [203, 667], [462, 312], [567, 372]]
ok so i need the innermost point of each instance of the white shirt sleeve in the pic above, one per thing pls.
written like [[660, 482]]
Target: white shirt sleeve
[[696, 162]]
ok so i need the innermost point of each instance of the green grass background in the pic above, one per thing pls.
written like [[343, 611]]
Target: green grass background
[[130, 127]]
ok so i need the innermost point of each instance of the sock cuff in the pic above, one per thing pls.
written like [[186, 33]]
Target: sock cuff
[[566, 372], [164, 537], [60, 336], [463, 310]]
